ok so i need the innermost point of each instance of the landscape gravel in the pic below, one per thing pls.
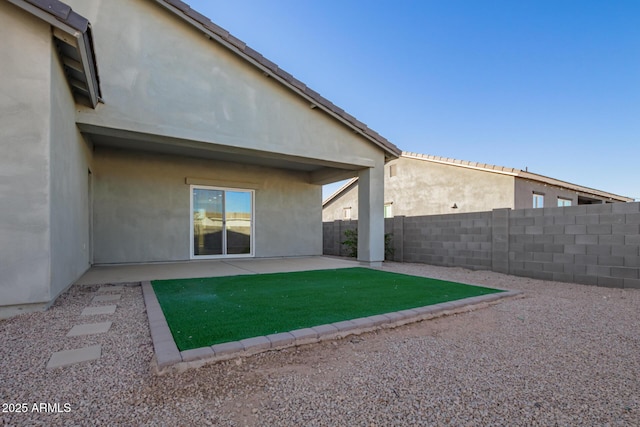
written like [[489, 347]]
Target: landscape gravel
[[564, 354]]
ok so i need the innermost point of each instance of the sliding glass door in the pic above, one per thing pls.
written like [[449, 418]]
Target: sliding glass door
[[222, 222]]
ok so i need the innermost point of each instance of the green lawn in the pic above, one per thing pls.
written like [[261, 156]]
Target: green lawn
[[207, 311]]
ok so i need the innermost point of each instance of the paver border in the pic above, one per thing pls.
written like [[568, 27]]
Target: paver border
[[169, 358]]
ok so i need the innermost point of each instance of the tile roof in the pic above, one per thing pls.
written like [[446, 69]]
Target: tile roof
[[62, 12], [74, 41], [238, 46]]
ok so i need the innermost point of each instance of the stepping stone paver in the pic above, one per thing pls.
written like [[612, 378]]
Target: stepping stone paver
[[71, 357], [105, 309], [106, 298], [111, 288], [89, 329]]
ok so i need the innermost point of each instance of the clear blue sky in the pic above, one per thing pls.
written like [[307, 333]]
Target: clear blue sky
[[551, 85]]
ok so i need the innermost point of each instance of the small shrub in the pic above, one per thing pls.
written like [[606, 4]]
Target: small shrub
[[351, 242]]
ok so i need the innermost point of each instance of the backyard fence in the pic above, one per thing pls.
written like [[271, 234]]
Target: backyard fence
[[588, 244]]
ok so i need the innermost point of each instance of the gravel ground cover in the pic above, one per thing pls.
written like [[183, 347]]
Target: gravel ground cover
[[563, 355]]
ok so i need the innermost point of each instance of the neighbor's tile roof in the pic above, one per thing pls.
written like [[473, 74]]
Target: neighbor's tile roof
[[302, 89]]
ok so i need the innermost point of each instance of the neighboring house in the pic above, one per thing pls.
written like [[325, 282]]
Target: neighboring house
[[137, 131], [417, 184]]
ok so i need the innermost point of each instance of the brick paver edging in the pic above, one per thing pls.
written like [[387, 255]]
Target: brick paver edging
[[169, 358]]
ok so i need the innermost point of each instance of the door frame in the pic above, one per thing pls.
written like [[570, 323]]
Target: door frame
[[224, 225]]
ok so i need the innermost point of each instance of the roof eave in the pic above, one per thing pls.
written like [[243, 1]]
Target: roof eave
[[75, 31], [573, 187]]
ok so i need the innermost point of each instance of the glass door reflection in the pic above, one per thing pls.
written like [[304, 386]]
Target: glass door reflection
[[222, 222], [208, 221]]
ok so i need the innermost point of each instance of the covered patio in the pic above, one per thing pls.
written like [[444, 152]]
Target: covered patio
[[126, 273]]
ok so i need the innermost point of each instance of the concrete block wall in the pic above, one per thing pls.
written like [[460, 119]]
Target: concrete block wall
[[588, 244], [462, 240], [333, 236]]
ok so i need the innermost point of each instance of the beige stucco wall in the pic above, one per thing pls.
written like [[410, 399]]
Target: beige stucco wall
[[70, 164], [25, 67], [142, 210], [161, 76], [427, 188], [334, 210], [526, 187]]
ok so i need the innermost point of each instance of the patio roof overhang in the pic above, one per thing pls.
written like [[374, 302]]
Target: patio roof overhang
[[319, 171]]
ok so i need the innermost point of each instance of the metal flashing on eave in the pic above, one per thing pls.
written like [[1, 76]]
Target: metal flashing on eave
[[270, 69], [74, 41]]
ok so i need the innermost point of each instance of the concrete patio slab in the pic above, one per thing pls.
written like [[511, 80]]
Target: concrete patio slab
[[127, 273], [105, 309], [286, 265], [106, 298], [71, 357], [89, 329]]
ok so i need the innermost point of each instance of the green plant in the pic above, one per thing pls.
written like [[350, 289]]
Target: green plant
[[351, 242]]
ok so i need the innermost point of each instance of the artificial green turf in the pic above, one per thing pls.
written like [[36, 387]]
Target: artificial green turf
[[207, 311]]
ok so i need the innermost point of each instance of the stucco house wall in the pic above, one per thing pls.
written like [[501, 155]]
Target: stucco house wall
[[334, 210], [141, 206], [426, 185], [525, 189], [161, 76], [70, 206], [426, 188], [106, 176], [25, 105]]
